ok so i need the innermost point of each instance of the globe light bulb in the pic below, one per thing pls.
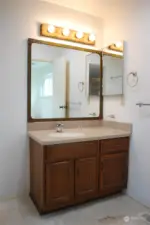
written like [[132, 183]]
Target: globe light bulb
[[79, 34], [92, 37], [66, 32], [118, 44], [51, 29]]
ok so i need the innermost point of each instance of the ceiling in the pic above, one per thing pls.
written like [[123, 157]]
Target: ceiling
[[102, 8], [93, 7]]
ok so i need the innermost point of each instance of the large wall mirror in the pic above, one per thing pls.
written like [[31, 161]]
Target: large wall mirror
[[64, 82]]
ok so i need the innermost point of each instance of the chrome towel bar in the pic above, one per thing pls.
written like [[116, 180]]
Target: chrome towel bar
[[140, 104]]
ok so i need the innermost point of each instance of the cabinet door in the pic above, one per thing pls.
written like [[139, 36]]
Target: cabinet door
[[86, 178], [59, 183], [113, 171]]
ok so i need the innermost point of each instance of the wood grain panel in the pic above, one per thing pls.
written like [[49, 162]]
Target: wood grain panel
[[37, 173], [62, 152], [86, 178], [114, 145], [59, 183], [114, 171]]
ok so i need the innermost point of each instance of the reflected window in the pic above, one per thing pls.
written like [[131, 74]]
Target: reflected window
[[47, 87]]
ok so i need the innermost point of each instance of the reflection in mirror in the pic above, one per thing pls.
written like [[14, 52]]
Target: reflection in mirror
[[113, 69], [65, 83]]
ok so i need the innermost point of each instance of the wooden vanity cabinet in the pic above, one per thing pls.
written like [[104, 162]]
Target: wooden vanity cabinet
[[86, 178], [66, 174], [113, 165], [113, 171], [59, 184]]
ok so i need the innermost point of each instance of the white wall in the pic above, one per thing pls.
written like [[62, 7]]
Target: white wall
[[20, 20]]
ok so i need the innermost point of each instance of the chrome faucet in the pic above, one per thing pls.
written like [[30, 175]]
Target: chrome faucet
[[59, 127]]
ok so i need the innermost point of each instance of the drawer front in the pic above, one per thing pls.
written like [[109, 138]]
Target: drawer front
[[61, 152], [114, 145]]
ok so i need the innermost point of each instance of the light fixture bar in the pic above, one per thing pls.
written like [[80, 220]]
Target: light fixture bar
[[118, 46], [62, 33]]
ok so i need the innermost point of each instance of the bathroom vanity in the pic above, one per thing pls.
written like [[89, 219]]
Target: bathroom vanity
[[68, 171], [67, 83]]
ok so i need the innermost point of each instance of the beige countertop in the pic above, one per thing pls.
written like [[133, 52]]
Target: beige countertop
[[45, 137]]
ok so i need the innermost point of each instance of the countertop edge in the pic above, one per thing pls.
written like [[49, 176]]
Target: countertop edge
[[65, 141]]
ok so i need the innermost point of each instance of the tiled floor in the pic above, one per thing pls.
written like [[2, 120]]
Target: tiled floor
[[23, 212]]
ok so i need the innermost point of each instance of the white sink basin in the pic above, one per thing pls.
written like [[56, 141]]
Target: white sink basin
[[65, 135]]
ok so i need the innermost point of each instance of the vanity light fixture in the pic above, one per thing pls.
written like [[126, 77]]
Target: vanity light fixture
[[92, 37], [51, 29], [79, 34], [61, 33], [118, 46], [66, 32]]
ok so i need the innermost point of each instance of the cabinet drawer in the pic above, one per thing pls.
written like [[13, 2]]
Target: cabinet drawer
[[57, 153], [114, 145]]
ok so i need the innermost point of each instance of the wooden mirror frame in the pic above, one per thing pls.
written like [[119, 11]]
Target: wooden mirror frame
[[29, 118]]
